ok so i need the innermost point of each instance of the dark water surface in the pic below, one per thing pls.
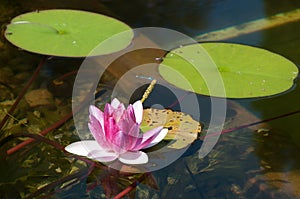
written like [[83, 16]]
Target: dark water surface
[[257, 162]]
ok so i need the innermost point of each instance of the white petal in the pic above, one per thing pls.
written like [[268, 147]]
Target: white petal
[[162, 134], [92, 150], [137, 157], [138, 111], [83, 148], [115, 103], [102, 156]]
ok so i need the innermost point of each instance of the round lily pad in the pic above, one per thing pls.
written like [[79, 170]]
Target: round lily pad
[[183, 129], [67, 33], [245, 71]]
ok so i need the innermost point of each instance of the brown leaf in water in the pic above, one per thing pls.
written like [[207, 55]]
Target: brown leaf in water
[[182, 127]]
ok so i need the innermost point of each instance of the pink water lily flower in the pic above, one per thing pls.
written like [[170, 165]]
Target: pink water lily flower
[[117, 134]]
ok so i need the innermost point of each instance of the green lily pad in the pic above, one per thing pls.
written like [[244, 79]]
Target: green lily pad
[[183, 129], [243, 71], [67, 33]]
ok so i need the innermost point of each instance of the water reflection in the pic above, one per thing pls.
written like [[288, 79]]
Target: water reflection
[[190, 17]]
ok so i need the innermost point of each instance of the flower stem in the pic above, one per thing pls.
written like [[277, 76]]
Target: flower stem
[[148, 91]]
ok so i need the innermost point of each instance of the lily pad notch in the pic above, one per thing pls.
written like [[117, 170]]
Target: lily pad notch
[[246, 71], [67, 33]]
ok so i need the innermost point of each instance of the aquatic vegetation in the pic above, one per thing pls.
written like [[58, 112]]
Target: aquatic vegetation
[[117, 134], [66, 33], [245, 71]]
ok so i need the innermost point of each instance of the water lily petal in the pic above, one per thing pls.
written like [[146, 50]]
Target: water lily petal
[[97, 131], [147, 138], [127, 140], [119, 143], [134, 133], [108, 110], [152, 132], [162, 134], [115, 103], [83, 148], [138, 111], [111, 128], [126, 122], [102, 156], [97, 113], [136, 157], [117, 109], [130, 115]]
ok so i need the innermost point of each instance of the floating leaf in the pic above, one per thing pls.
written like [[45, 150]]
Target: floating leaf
[[183, 129], [67, 33], [243, 71]]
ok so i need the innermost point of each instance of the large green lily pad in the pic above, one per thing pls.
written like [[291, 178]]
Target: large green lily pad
[[243, 71], [67, 33], [183, 129]]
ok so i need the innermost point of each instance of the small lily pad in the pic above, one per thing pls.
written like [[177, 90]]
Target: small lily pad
[[67, 33], [183, 129], [245, 71]]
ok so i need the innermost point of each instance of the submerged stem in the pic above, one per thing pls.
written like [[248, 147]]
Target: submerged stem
[[22, 93]]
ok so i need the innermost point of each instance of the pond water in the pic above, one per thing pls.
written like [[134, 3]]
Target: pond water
[[257, 161]]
